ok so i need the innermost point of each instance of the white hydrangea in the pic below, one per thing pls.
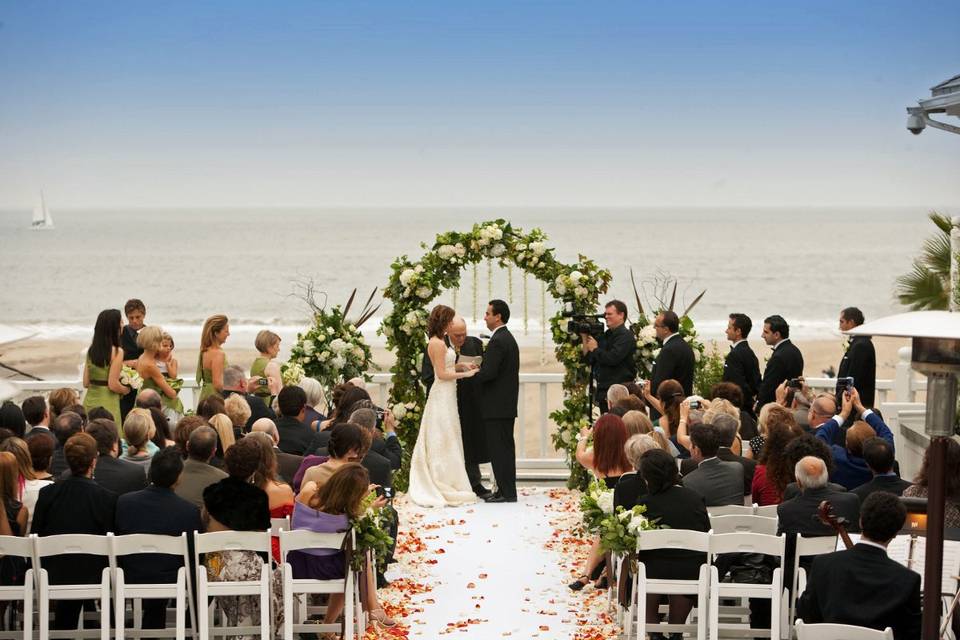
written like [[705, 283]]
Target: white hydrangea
[[446, 252], [538, 248], [337, 345], [498, 250], [648, 334], [399, 411], [561, 289], [581, 292], [330, 331], [337, 362], [407, 276], [576, 276], [424, 292], [605, 502], [309, 347]]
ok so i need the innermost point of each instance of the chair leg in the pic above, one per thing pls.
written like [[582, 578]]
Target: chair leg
[[28, 605], [348, 610], [203, 607], [119, 601], [181, 604], [288, 597], [44, 603], [265, 602]]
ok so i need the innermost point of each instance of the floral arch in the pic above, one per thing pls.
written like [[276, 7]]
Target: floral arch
[[414, 284]]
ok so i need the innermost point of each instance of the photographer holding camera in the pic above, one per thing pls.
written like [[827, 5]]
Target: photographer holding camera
[[610, 354]]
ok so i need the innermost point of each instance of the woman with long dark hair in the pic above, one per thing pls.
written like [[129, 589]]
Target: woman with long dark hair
[[101, 372]]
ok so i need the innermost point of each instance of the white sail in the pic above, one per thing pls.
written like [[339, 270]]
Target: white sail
[[41, 215]]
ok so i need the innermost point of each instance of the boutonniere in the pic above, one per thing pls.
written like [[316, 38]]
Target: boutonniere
[[846, 344]]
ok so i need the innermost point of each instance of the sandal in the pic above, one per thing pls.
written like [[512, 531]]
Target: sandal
[[579, 583], [380, 617]]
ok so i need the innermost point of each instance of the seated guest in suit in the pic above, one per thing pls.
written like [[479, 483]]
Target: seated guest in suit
[[785, 363], [295, 436], [678, 508], [65, 425], [772, 473], [726, 429], [878, 454], [631, 487], [801, 447], [850, 469], [723, 407], [719, 482], [862, 586], [798, 515], [287, 463], [77, 504], [156, 510], [118, 476], [235, 383], [918, 489], [607, 462], [198, 473]]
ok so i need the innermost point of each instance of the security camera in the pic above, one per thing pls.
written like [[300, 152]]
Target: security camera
[[915, 124]]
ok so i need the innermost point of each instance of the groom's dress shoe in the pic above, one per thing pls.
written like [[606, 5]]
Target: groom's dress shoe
[[500, 498], [482, 492]]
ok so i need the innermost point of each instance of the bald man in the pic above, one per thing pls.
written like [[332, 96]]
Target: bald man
[[287, 463], [468, 404], [799, 514], [148, 398], [849, 467]]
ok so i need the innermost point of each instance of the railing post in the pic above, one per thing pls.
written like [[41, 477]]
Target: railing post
[[903, 376]]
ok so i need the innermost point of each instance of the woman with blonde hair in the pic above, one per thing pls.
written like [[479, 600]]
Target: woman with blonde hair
[[28, 482], [212, 360], [150, 339], [637, 423], [138, 430], [265, 371], [719, 406], [224, 428], [238, 410]]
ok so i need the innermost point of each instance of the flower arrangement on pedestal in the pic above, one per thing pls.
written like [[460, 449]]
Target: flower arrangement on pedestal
[[413, 284]]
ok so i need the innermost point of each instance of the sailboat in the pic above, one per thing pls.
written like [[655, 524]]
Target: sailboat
[[41, 215]]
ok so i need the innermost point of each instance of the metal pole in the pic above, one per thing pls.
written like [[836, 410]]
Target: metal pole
[[933, 565], [955, 265]]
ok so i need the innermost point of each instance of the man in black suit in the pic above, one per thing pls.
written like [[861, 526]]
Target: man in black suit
[[296, 436], [156, 510], [64, 426], [287, 463], [118, 476], [136, 312], [611, 357], [718, 481], [741, 366], [860, 359], [879, 456], [785, 363], [235, 383], [862, 586], [472, 429], [798, 516], [75, 505], [676, 360], [725, 426], [499, 377]]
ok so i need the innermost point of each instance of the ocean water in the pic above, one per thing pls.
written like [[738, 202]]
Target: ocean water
[[805, 264]]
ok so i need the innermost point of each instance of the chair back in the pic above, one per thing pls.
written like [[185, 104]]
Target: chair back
[[276, 524], [19, 546], [748, 543], [684, 539], [768, 510], [731, 510], [840, 632], [232, 541], [306, 539], [137, 543], [79, 543], [743, 524]]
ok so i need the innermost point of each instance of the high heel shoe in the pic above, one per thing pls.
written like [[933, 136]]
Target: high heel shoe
[[579, 583], [381, 618]]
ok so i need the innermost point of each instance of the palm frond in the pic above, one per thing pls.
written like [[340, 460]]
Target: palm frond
[[936, 254], [942, 221], [921, 289]]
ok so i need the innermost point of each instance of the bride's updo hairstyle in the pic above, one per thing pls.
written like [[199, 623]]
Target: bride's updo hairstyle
[[440, 317]]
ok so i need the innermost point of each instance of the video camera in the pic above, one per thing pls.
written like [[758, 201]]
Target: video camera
[[591, 324]]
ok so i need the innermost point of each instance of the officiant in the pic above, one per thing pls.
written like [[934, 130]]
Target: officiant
[[468, 403]]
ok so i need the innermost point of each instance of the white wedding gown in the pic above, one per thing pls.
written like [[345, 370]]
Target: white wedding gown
[[438, 477]]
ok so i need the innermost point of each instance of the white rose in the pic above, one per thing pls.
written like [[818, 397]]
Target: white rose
[[581, 292], [407, 276], [483, 241], [418, 268], [424, 292], [566, 436], [648, 333], [337, 345], [330, 331], [337, 362], [399, 411], [561, 289], [498, 250], [461, 251], [411, 405], [538, 248], [605, 502], [576, 276], [309, 347], [624, 516], [446, 252], [534, 262]]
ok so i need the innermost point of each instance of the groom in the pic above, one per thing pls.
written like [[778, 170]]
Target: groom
[[499, 379]]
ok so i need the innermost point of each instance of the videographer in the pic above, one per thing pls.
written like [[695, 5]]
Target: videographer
[[611, 354]]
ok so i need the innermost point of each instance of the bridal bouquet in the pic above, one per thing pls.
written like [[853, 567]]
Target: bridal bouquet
[[130, 378], [370, 529], [619, 530], [175, 383], [596, 504]]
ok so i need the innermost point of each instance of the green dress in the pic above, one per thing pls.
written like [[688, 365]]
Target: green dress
[[167, 403], [205, 379], [98, 393], [259, 370]]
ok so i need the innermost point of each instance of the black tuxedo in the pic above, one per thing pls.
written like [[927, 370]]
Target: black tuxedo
[[891, 484], [862, 586], [785, 362], [296, 437], [860, 361], [499, 379], [724, 453], [742, 368], [675, 362]]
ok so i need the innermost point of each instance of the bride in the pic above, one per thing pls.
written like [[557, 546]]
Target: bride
[[437, 474]]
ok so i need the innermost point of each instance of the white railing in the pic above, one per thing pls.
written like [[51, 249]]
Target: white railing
[[541, 394]]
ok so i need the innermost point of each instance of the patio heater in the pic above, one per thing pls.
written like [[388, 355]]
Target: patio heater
[[936, 354]]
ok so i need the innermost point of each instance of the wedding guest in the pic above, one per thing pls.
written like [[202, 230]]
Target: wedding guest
[[344, 401], [676, 360], [384, 431], [136, 312], [772, 473], [149, 340], [951, 472], [62, 398], [850, 469], [785, 363], [235, 384], [741, 367], [631, 487], [236, 407], [97, 413], [802, 447], [13, 522], [860, 359], [136, 439], [879, 456], [335, 399], [101, 371], [225, 438], [212, 359], [210, 406], [615, 394], [348, 443], [28, 482], [377, 465], [75, 505], [798, 515], [316, 402], [666, 405], [41, 451], [731, 392], [115, 475], [185, 426], [36, 414], [675, 507], [719, 482], [295, 436], [81, 411], [198, 473], [161, 437], [770, 411], [287, 463], [265, 370], [11, 417], [66, 425], [279, 494]]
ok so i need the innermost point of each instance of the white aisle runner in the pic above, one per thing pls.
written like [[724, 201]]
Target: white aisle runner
[[493, 571]]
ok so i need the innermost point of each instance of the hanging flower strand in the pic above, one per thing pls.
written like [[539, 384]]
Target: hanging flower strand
[[510, 283], [489, 279], [526, 307], [475, 292]]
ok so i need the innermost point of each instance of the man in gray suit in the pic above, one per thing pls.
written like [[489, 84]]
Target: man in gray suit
[[719, 482], [198, 473]]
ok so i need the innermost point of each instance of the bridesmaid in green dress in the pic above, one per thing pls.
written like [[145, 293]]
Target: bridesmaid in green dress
[[101, 372], [264, 367], [150, 340], [212, 360]]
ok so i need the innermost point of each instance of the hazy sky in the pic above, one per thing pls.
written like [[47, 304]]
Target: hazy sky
[[430, 103]]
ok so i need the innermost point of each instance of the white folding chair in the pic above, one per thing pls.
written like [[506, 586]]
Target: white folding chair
[[20, 547], [48, 546], [768, 511], [257, 541], [179, 591], [805, 548], [276, 524], [731, 510], [293, 587], [840, 632], [744, 524], [747, 543], [680, 539]]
